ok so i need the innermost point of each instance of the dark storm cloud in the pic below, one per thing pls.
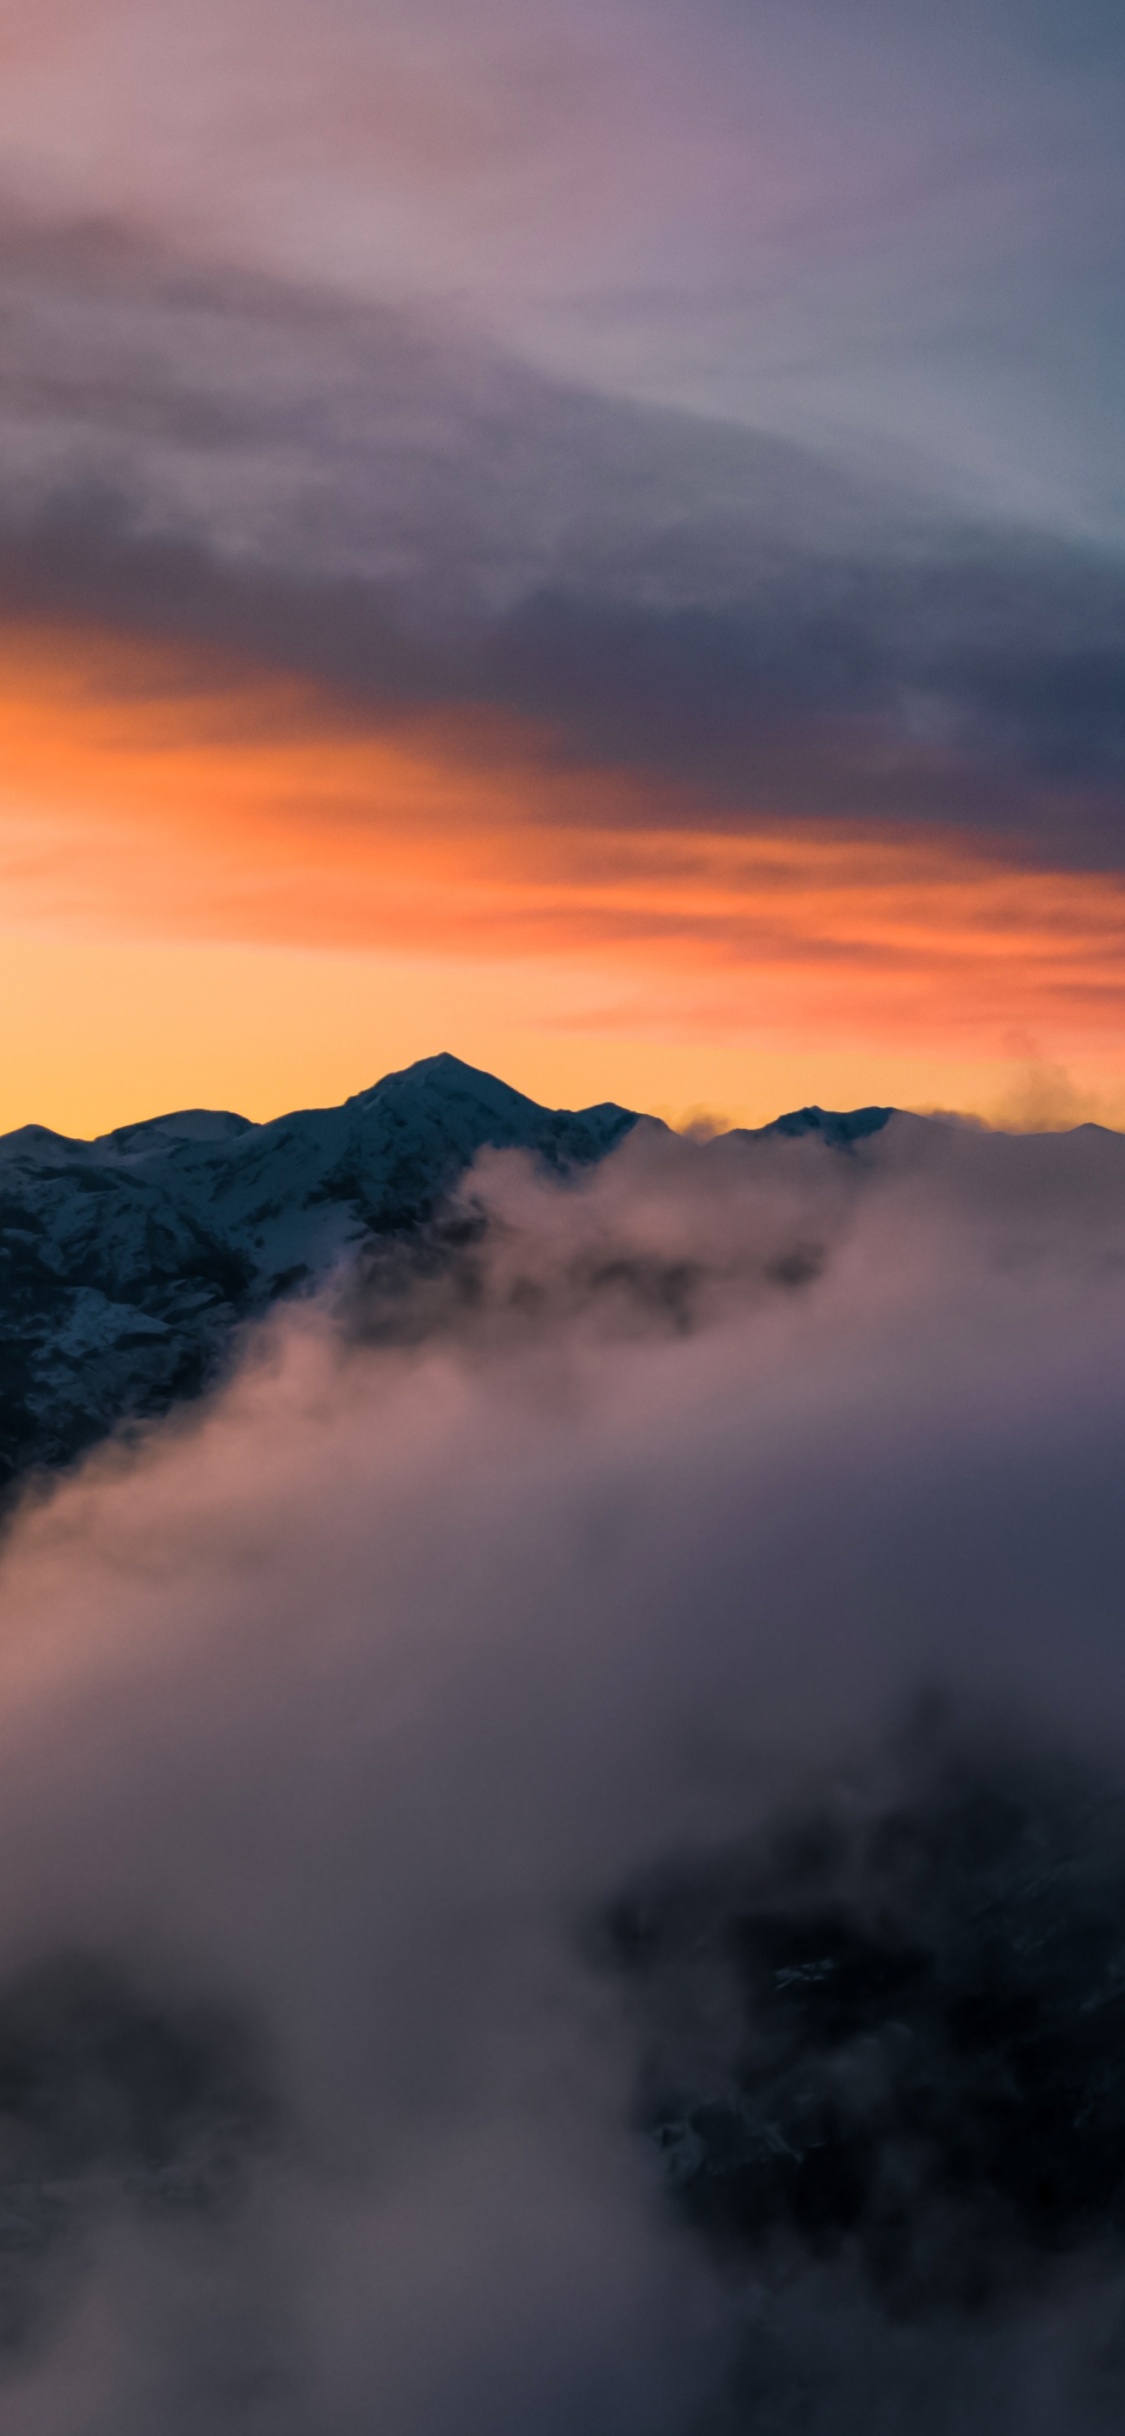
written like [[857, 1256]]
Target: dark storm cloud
[[327, 439], [351, 494], [987, 692]]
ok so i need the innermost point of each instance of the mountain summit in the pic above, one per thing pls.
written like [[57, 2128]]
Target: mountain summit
[[126, 1263]]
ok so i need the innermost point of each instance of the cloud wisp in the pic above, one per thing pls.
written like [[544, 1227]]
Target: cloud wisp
[[337, 1723]]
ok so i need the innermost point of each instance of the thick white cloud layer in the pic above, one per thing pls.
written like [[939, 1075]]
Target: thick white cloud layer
[[348, 1706]]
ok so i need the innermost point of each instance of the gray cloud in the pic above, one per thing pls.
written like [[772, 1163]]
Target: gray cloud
[[273, 424], [898, 227], [351, 493]]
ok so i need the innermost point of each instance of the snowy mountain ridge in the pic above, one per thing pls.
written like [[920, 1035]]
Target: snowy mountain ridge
[[126, 1263], [129, 1263]]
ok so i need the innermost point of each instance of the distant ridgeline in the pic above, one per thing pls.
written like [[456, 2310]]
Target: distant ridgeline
[[127, 1264]]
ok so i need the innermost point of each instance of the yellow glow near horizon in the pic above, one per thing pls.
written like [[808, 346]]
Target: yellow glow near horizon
[[100, 1033], [220, 887]]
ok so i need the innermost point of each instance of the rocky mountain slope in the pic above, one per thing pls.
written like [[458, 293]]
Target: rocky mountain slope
[[127, 1263]]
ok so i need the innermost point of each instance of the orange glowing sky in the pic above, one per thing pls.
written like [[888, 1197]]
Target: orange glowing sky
[[586, 535], [256, 896]]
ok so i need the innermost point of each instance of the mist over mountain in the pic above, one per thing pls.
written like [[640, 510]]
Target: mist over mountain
[[126, 1263], [562, 1829], [131, 1266]]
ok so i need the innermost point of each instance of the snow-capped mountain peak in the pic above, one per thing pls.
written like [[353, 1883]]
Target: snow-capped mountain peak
[[127, 1262]]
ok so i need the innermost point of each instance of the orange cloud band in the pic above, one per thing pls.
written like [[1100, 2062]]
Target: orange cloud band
[[157, 796]]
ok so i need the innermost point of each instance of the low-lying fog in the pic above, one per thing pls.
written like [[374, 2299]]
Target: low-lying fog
[[562, 1846]]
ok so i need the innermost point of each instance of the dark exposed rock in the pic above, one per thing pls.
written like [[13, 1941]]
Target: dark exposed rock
[[128, 1264], [890, 2032], [111, 2096]]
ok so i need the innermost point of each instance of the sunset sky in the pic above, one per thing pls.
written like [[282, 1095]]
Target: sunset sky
[[590, 537]]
